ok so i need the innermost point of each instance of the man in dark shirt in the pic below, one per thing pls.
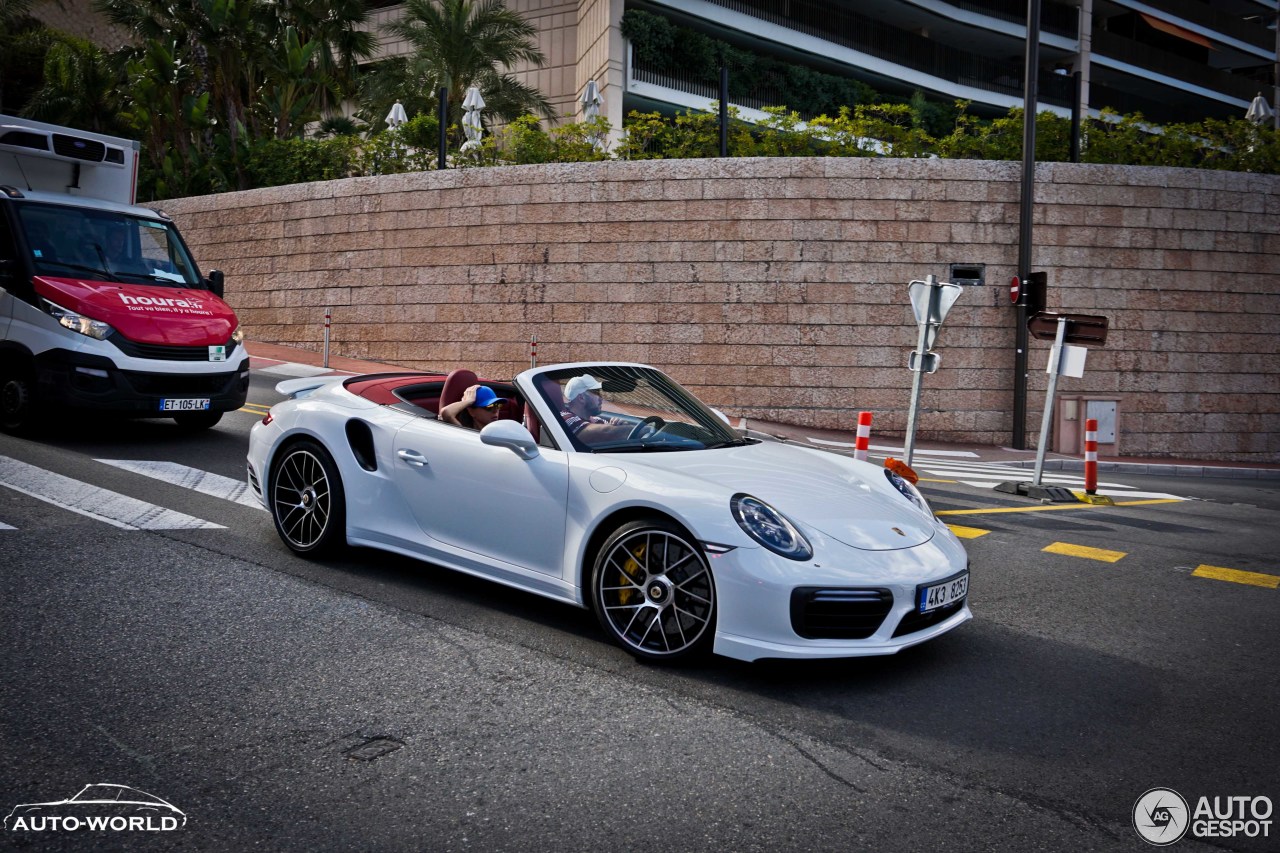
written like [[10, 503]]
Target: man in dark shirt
[[581, 412]]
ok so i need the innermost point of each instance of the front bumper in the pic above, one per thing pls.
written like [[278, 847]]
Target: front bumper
[[755, 590], [81, 380]]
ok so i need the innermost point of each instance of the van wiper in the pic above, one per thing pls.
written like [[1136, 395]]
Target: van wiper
[[83, 268]]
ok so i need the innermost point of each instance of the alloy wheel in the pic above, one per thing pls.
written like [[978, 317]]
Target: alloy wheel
[[654, 592]]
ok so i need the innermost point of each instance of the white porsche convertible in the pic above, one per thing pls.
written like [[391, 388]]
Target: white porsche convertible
[[610, 486]]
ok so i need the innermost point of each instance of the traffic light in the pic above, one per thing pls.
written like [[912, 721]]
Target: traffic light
[[1034, 288]]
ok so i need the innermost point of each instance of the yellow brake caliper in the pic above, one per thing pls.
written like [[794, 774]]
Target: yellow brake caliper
[[631, 572]]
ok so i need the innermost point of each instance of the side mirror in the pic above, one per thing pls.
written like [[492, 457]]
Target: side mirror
[[722, 416], [512, 436], [217, 283]]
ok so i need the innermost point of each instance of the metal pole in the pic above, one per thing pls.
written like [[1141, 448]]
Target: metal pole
[[1030, 98], [1077, 80], [724, 110], [444, 127], [328, 317], [1055, 358], [908, 447]]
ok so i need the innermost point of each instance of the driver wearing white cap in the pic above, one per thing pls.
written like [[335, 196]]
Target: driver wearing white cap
[[581, 412]]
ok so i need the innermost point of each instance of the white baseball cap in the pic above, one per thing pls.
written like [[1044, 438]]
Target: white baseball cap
[[579, 384]]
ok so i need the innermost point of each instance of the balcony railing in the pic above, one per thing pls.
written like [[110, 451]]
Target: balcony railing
[[1162, 62], [820, 18], [1221, 22], [902, 48]]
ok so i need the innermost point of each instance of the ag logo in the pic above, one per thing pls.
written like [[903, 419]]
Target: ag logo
[[1160, 816]]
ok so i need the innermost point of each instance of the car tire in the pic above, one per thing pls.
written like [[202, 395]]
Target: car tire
[[197, 420], [653, 591], [307, 501], [19, 409]]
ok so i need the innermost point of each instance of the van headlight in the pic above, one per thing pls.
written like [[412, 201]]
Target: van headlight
[[78, 322], [237, 337], [770, 528]]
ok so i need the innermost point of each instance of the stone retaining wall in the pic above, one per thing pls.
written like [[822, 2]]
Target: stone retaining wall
[[777, 288]]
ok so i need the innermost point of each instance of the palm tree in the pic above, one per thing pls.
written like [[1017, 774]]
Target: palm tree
[[23, 41], [462, 43], [80, 88], [336, 27]]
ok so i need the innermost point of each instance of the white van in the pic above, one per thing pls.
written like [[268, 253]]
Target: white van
[[102, 306]]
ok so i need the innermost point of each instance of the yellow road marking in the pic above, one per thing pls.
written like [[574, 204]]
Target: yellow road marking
[[931, 480], [1051, 507], [1085, 552], [1218, 573], [255, 408], [967, 532]]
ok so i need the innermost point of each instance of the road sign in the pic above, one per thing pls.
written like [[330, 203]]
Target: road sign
[[1015, 289], [929, 364], [929, 309], [1083, 329]]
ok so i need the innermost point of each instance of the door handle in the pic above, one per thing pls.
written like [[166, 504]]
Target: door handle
[[412, 457]]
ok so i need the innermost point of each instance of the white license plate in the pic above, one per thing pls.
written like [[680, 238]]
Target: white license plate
[[187, 405], [941, 594]]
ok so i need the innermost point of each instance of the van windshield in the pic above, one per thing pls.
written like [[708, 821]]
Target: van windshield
[[73, 242]]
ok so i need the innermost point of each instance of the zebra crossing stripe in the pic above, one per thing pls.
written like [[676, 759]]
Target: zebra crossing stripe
[[204, 482], [93, 502]]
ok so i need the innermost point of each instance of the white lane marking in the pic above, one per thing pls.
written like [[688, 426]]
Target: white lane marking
[[292, 369], [4, 526], [204, 482], [968, 454], [93, 502]]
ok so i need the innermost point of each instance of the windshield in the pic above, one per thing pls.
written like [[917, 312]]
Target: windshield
[[631, 410], [72, 242]]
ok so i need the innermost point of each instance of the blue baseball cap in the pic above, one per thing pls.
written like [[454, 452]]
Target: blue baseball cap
[[486, 398]]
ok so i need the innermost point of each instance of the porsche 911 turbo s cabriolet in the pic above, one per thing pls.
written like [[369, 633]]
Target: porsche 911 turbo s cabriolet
[[610, 486]]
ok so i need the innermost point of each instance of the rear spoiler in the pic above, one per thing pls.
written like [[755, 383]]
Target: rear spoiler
[[295, 388]]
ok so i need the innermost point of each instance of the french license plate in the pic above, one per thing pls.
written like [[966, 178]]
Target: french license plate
[[187, 405], [941, 594]]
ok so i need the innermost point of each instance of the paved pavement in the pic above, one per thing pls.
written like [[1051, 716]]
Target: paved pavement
[[290, 362]]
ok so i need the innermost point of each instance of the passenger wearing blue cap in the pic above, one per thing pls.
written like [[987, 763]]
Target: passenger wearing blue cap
[[478, 408]]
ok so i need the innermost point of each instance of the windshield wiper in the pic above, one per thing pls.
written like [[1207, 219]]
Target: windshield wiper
[[732, 442], [627, 447], [83, 268]]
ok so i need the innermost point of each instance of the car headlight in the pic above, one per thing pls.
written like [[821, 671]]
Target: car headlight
[[770, 528], [909, 491], [78, 323], [238, 335]]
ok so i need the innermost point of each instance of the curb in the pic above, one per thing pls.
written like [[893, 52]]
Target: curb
[[1155, 469]]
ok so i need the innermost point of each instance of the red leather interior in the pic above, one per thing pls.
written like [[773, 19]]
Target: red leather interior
[[455, 385]]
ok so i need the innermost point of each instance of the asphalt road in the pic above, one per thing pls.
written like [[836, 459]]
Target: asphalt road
[[377, 703]]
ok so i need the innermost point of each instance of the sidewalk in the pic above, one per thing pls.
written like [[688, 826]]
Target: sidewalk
[[291, 361]]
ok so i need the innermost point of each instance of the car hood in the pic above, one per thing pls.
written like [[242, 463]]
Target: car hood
[[177, 316], [848, 500]]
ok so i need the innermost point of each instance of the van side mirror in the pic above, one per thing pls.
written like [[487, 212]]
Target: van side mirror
[[216, 282]]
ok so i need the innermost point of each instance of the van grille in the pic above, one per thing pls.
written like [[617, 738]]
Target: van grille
[[184, 384], [164, 351]]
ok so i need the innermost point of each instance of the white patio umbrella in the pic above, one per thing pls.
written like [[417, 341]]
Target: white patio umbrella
[[591, 101], [472, 104], [397, 116], [1259, 110]]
